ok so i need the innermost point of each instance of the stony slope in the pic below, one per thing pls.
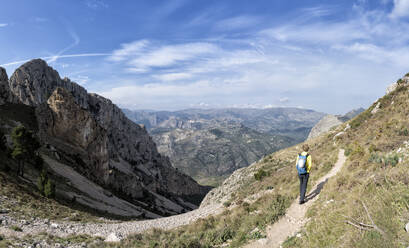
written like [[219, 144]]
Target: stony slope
[[90, 134]]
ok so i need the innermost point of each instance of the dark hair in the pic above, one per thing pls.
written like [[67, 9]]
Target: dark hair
[[305, 147]]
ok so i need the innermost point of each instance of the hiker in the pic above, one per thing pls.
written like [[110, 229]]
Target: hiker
[[303, 167]]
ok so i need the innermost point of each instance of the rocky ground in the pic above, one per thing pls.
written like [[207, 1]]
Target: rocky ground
[[31, 228]]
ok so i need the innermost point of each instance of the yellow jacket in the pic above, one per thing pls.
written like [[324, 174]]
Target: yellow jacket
[[308, 163]]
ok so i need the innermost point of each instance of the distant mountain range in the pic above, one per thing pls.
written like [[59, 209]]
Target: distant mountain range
[[209, 144]]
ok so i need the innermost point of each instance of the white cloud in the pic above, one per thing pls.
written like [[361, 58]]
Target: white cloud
[[129, 50], [173, 76], [2, 25], [40, 19], [400, 9], [141, 56], [96, 4], [317, 33], [237, 22], [284, 100]]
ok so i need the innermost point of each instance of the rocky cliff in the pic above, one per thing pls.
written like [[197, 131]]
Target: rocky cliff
[[330, 121], [4, 86], [92, 135]]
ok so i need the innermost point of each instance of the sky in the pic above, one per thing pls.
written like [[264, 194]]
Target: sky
[[330, 56]]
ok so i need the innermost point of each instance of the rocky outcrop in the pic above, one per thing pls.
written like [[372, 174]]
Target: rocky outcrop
[[4, 86], [330, 121], [92, 135], [402, 81], [324, 125]]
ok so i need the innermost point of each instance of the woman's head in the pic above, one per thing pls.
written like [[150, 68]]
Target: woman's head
[[305, 148]]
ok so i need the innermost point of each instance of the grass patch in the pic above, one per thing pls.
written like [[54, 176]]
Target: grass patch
[[16, 228]]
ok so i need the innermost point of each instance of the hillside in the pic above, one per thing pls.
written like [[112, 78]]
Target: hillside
[[209, 144]]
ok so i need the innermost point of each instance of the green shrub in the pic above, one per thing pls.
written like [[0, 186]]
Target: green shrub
[[358, 120], [372, 148], [260, 174], [16, 228], [348, 151], [403, 131], [407, 74], [45, 185], [49, 189], [227, 204], [392, 159]]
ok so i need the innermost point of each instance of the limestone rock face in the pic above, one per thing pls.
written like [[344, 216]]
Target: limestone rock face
[[324, 125], [92, 135], [329, 121], [4, 86], [392, 87]]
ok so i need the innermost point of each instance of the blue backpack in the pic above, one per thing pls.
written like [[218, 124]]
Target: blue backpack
[[302, 164]]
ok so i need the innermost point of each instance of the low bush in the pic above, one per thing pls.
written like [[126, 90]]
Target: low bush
[[391, 159], [16, 228], [260, 174]]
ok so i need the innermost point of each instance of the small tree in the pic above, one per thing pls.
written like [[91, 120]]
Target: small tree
[[49, 189], [45, 185], [42, 180], [24, 147]]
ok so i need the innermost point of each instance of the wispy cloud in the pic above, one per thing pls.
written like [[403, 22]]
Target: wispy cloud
[[2, 25], [139, 57], [60, 56], [76, 41], [96, 4], [40, 19], [129, 50], [400, 9], [237, 22], [173, 76]]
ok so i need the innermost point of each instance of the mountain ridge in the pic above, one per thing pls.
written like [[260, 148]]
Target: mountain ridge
[[92, 134]]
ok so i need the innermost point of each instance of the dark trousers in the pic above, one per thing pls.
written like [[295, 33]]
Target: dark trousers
[[303, 185]]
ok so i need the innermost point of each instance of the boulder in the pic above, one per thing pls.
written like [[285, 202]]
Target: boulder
[[113, 237]]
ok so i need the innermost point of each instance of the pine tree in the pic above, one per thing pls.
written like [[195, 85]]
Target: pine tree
[[49, 189], [45, 185]]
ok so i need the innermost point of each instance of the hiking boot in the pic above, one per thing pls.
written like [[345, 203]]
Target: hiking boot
[[301, 202]]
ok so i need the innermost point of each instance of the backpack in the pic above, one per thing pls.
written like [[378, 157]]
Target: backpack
[[301, 164]]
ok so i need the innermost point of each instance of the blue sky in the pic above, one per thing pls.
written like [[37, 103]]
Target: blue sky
[[330, 56]]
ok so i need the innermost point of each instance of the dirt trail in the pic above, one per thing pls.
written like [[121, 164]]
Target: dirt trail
[[294, 219]]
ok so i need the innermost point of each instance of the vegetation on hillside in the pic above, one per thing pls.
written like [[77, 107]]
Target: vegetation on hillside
[[372, 188]]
